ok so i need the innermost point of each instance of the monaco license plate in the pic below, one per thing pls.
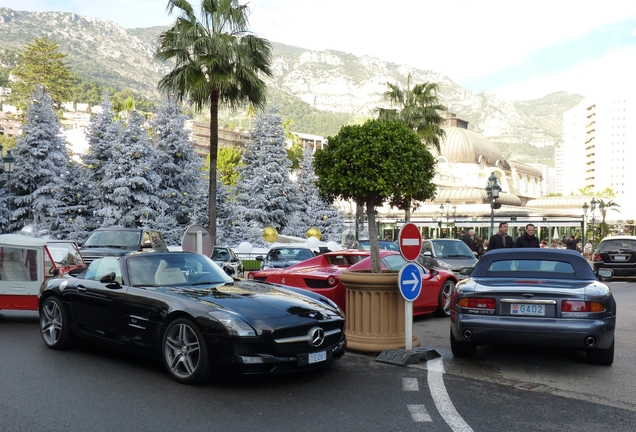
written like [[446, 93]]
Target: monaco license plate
[[317, 357], [620, 258], [527, 309]]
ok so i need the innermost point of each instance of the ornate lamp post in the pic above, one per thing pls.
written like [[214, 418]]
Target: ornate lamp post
[[593, 209], [585, 207], [8, 165], [601, 207], [492, 190], [454, 221]]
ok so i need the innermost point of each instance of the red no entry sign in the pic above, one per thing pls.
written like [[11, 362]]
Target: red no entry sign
[[410, 241]]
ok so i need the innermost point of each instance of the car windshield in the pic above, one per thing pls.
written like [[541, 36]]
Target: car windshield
[[344, 260], [113, 239], [289, 254], [394, 262], [221, 254], [452, 249], [382, 244], [183, 269], [615, 245]]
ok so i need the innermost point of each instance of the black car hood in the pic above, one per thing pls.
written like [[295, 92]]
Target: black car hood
[[256, 300]]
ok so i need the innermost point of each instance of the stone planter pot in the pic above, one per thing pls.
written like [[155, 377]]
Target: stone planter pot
[[375, 312]]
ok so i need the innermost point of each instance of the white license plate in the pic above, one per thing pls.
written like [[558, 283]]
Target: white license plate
[[620, 258], [527, 309], [318, 357]]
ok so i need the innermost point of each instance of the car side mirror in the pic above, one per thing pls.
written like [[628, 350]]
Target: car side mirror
[[427, 253], [259, 258], [146, 245], [108, 278], [466, 271], [433, 273], [604, 273]]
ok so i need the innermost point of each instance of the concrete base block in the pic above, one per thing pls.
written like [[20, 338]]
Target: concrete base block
[[402, 357]]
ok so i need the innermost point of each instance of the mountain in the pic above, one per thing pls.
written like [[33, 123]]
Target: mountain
[[319, 90]]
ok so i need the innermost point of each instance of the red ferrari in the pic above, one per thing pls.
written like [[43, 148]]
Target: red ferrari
[[320, 275]]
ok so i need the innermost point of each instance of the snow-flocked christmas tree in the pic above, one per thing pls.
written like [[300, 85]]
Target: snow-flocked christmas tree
[[129, 184], [264, 194], [41, 160], [313, 212], [182, 182]]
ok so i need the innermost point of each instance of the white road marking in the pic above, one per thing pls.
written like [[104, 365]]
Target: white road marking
[[442, 400], [410, 384], [419, 413]]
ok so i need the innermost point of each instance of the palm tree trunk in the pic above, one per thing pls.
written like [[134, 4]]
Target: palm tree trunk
[[214, 151]]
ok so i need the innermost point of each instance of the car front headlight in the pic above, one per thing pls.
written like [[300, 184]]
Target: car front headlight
[[234, 325], [444, 265]]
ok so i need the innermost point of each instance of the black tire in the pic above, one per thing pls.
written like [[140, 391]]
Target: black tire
[[600, 356], [184, 352], [461, 348], [54, 325], [443, 302]]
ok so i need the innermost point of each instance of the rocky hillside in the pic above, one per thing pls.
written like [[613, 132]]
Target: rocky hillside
[[320, 90]]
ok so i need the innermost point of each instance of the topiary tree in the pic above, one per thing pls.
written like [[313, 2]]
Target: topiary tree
[[373, 163]]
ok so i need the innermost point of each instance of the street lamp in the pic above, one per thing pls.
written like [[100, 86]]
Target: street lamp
[[593, 209], [441, 213], [492, 190], [454, 221], [601, 207], [8, 165], [585, 207]]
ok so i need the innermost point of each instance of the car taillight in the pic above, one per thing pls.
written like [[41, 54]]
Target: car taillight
[[597, 257], [581, 306], [331, 281], [477, 303]]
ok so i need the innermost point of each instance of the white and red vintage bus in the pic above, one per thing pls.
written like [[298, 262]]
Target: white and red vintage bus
[[25, 262]]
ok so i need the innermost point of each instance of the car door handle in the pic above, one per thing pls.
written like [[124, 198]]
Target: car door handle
[[81, 288]]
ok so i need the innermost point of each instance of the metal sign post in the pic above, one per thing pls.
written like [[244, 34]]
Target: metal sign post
[[410, 284]]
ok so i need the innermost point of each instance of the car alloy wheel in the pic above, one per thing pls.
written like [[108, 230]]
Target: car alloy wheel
[[443, 305], [53, 324], [184, 352]]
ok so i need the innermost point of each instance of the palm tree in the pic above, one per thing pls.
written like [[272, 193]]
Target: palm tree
[[216, 61], [418, 108], [604, 206]]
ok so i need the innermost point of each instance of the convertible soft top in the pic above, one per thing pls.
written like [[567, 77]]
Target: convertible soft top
[[533, 263]]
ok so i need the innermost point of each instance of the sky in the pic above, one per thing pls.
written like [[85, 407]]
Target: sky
[[516, 49]]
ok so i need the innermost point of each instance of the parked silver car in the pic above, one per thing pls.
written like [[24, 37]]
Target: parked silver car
[[528, 296], [446, 254]]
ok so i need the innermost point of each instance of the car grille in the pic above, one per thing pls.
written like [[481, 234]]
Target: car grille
[[303, 346], [293, 348]]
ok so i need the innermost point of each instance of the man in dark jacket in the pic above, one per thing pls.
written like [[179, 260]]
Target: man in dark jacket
[[570, 243], [528, 239], [501, 239]]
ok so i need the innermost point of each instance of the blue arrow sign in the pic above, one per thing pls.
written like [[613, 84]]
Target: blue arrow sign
[[410, 281]]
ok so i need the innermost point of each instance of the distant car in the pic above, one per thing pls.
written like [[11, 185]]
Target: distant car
[[285, 256], [617, 254], [118, 241], [320, 275], [526, 296], [225, 258], [383, 245], [182, 308], [446, 254]]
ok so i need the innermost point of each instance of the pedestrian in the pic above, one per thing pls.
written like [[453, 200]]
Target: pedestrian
[[501, 239], [467, 239], [570, 243], [528, 239]]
